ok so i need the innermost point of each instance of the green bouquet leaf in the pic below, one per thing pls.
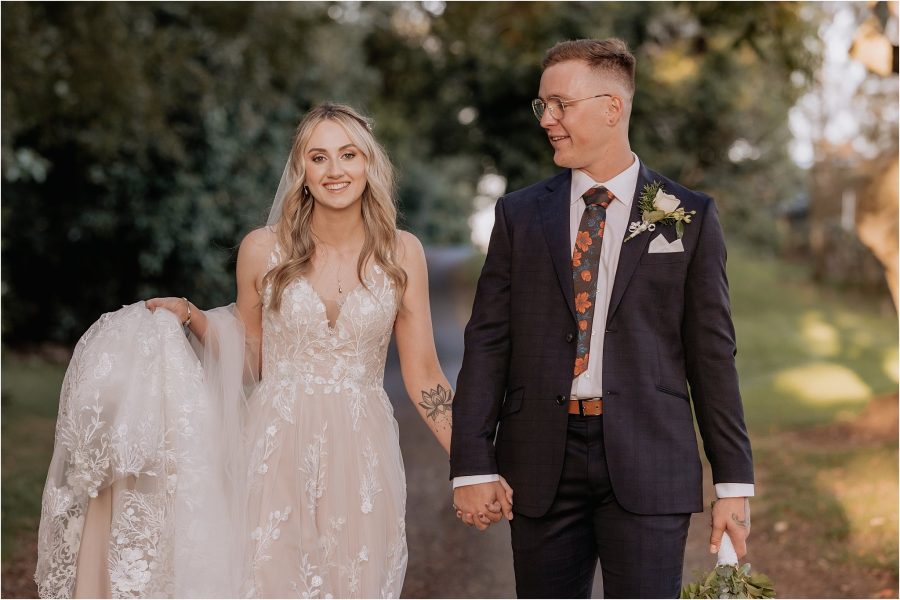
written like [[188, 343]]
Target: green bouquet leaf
[[730, 581]]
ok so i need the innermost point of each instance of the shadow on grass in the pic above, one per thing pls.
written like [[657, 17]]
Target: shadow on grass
[[827, 515]]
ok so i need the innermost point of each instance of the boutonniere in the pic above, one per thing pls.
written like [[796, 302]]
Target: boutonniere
[[656, 206]]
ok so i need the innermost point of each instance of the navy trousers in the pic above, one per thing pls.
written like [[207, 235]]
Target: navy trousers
[[555, 556]]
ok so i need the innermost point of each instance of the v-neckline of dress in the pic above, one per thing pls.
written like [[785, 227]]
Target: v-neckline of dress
[[332, 327]]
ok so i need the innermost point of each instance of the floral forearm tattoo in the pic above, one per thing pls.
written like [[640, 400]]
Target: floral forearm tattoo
[[438, 405]]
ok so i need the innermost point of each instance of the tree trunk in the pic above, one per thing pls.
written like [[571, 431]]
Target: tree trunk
[[877, 217]]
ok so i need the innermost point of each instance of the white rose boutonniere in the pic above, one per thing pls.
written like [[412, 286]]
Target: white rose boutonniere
[[656, 206], [665, 202]]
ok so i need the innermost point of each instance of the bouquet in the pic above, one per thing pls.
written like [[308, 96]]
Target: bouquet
[[730, 580]]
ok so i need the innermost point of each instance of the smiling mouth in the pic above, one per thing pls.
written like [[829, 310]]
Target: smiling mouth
[[336, 187], [557, 138]]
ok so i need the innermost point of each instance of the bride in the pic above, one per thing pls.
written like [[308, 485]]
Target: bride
[[262, 458]]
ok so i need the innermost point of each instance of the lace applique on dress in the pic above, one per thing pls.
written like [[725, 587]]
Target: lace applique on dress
[[136, 475], [319, 484], [325, 444]]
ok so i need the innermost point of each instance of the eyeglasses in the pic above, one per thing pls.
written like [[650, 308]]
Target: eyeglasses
[[556, 106]]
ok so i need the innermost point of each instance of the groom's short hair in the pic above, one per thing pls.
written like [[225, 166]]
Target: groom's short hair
[[609, 56]]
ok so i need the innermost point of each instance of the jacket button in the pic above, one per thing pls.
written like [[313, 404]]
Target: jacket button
[[560, 399], [570, 337]]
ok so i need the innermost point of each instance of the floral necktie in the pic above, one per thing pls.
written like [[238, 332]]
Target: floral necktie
[[585, 259]]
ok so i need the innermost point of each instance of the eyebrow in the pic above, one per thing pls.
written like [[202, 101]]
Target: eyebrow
[[322, 150]]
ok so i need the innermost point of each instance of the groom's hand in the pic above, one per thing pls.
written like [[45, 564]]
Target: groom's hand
[[482, 504], [731, 515]]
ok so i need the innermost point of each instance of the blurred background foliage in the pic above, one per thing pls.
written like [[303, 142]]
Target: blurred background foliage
[[141, 141]]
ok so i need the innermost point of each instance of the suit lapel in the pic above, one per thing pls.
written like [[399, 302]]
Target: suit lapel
[[554, 209], [631, 251]]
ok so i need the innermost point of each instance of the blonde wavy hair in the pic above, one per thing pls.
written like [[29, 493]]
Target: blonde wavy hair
[[379, 208]]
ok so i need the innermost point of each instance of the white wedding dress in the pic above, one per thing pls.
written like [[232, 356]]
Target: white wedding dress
[[167, 482], [327, 490]]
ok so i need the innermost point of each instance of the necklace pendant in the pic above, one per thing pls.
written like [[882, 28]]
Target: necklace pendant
[[340, 289]]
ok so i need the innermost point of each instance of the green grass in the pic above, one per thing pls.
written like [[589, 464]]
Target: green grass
[[30, 398], [806, 354]]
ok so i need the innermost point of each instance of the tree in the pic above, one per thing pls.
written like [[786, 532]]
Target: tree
[[142, 140]]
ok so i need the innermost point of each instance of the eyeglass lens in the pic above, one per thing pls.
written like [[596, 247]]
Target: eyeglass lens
[[552, 104]]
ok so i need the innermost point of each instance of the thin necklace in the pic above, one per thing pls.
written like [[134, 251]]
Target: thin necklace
[[337, 270]]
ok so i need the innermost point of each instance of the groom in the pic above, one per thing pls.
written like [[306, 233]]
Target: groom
[[580, 351]]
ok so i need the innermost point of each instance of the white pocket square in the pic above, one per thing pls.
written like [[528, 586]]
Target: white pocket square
[[659, 244]]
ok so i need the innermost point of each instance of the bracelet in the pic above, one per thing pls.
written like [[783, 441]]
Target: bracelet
[[187, 321]]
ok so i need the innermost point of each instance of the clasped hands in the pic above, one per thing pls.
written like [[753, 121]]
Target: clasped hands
[[483, 504]]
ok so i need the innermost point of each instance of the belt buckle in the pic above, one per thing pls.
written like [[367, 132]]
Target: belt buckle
[[581, 402]]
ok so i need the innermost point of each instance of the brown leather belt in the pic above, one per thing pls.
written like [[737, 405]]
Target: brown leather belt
[[586, 407]]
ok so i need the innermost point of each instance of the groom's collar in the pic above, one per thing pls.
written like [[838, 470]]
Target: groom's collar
[[622, 185]]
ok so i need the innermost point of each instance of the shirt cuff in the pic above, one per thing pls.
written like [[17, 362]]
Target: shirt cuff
[[474, 479], [734, 490]]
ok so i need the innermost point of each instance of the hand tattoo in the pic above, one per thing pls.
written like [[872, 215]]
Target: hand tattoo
[[745, 522], [438, 404]]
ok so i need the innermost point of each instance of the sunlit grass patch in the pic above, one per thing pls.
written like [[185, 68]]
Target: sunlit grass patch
[[821, 338], [806, 354], [822, 383], [890, 364]]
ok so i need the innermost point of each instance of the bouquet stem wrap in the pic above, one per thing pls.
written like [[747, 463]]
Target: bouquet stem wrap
[[727, 555]]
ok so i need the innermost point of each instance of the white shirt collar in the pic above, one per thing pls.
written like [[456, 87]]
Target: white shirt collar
[[622, 185]]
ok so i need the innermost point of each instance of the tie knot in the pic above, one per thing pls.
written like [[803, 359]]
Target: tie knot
[[598, 195]]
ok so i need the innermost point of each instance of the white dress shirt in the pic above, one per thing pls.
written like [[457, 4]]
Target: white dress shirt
[[590, 383]]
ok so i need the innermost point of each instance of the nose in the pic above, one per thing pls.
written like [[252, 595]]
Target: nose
[[547, 119], [335, 169]]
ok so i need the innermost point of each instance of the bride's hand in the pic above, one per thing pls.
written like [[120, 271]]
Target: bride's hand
[[177, 306], [507, 489]]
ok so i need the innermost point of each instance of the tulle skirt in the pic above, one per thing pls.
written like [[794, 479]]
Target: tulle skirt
[[166, 481], [145, 488]]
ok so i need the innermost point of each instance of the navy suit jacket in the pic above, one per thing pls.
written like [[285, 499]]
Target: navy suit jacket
[[669, 344]]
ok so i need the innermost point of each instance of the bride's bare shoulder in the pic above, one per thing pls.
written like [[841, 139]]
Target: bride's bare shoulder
[[409, 246], [257, 246]]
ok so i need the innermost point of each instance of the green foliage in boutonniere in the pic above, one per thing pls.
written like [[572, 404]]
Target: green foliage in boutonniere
[[656, 206]]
